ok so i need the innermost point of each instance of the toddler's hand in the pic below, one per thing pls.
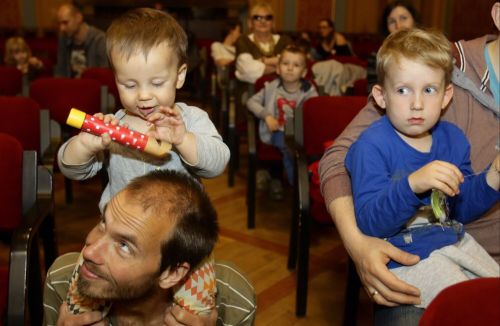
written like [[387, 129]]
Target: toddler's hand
[[272, 123], [93, 143], [169, 126], [439, 175]]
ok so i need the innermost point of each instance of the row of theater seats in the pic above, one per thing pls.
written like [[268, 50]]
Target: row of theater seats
[[28, 148], [54, 97], [329, 115], [26, 220]]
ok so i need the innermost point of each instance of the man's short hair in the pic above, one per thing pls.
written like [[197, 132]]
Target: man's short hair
[[428, 47], [140, 30], [182, 202]]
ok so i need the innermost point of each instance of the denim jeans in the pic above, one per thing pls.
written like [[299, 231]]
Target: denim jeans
[[278, 141], [404, 315]]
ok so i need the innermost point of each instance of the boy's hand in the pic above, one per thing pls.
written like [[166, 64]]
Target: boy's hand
[[493, 175], [272, 123], [93, 143], [169, 125], [439, 175]]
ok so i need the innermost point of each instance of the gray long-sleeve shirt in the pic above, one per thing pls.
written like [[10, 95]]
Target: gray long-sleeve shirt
[[123, 163]]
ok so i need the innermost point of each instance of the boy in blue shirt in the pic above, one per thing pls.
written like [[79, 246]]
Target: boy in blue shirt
[[402, 157]]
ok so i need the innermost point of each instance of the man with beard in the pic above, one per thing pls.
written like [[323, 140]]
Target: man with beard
[[151, 235], [80, 45]]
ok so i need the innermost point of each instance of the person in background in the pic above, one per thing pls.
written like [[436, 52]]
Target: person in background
[[330, 42], [403, 158], [476, 113], [224, 53], [397, 15], [275, 104], [257, 52], [18, 54], [80, 45]]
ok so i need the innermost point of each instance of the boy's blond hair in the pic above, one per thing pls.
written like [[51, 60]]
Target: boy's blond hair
[[140, 30], [427, 47], [13, 45]]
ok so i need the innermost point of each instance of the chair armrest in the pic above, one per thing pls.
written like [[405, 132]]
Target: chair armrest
[[45, 137], [251, 134], [24, 267], [302, 180]]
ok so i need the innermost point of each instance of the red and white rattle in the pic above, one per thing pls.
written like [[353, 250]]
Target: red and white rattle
[[119, 134]]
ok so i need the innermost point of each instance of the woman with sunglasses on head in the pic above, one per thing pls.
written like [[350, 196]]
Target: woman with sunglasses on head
[[330, 42], [257, 52]]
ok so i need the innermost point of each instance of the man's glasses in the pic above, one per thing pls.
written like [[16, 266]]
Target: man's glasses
[[262, 18]]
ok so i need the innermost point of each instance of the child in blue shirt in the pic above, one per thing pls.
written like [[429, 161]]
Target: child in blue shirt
[[402, 157]]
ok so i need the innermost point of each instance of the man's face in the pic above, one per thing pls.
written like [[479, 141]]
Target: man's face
[[122, 253], [69, 21]]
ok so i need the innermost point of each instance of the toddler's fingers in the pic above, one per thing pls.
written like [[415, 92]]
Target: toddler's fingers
[[106, 139]]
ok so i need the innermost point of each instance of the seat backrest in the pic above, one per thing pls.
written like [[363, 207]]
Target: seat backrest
[[11, 176], [473, 302], [11, 81], [59, 95], [21, 119], [323, 118], [106, 77]]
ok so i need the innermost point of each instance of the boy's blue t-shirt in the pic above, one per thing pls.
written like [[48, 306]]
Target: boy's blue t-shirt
[[380, 163]]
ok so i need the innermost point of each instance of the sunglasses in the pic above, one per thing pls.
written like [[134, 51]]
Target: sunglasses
[[262, 18]]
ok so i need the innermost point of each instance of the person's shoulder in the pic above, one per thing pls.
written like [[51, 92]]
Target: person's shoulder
[[63, 266], [216, 45], [340, 39], [449, 129], [377, 127], [191, 111]]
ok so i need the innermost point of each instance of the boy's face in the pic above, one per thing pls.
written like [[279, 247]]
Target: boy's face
[[145, 84], [413, 96], [292, 67]]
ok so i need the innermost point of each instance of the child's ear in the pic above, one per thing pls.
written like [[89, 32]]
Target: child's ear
[[448, 94], [181, 76], [378, 95], [171, 277]]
